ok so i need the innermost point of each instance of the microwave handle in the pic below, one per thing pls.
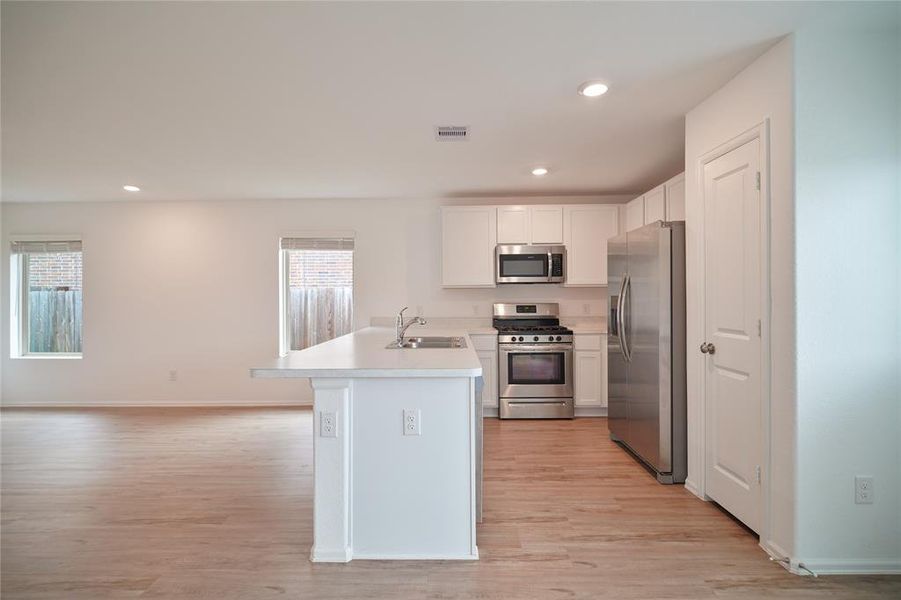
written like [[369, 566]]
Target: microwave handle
[[550, 265]]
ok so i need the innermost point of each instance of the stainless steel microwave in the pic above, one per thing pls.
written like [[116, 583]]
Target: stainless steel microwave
[[530, 264]]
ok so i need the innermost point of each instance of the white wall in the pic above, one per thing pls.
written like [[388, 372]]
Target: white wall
[[762, 91], [192, 286], [831, 97], [847, 107]]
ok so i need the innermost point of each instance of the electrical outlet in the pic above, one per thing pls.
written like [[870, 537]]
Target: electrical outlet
[[475, 310], [586, 309], [173, 375], [328, 424], [412, 421], [863, 490], [419, 310]]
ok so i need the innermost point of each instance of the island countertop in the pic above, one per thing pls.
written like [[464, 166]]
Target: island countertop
[[363, 354]]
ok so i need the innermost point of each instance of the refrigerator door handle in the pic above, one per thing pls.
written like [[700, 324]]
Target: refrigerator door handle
[[624, 344], [620, 321], [619, 312]]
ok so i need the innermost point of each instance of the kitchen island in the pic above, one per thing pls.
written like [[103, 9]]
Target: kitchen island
[[397, 448]]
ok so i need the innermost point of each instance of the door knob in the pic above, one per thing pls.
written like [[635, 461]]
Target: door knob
[[708, 348]]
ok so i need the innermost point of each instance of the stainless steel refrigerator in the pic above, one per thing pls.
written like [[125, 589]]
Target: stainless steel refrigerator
[[646, 346]]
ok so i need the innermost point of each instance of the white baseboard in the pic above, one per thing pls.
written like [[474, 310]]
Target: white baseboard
[[331, 556], [827, 566], [489, 411], [692, 487], [391, 556], [780, 556], [852, 566]]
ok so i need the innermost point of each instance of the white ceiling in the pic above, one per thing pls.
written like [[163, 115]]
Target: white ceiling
[[298, 100]]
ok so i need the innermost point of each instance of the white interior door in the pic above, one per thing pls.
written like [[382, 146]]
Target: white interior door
[[732, 326]]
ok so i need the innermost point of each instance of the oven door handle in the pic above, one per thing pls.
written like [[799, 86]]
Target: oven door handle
[[542, 348], [531, 403]]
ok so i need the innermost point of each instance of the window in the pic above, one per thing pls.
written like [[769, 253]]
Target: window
[[317, 290], [47, 302]]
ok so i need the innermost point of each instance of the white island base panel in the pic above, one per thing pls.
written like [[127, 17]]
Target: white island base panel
[[382, 494]]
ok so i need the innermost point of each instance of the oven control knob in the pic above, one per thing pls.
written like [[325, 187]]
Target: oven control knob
[[520, 338], [559, 338], [536, 338]]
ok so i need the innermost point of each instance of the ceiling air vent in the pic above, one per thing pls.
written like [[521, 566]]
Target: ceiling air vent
[[451, 133]]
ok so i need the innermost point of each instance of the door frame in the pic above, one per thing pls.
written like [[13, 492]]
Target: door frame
[[761, 132]]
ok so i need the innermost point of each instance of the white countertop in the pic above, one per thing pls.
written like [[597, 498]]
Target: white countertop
[[585, 325], [363, 354]]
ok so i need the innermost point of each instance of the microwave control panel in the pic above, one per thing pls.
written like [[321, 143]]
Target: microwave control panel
[[556, 265]]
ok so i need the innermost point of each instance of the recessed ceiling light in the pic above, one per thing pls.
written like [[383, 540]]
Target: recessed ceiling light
[[539, 171], [593, 89], [131, 188]]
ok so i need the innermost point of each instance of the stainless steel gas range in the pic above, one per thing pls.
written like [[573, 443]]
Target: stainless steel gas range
[[535, 362]]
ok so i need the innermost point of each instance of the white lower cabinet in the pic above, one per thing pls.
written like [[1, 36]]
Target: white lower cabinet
[[486, 350], [489, 376], [590, 371]]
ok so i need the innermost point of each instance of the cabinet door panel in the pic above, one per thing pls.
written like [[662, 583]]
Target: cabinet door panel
[[489, 376], [513, 225], [635, 214], [547, 225], [586, 230], [655, 205], [468, 238], [675, 198], [587, 376]]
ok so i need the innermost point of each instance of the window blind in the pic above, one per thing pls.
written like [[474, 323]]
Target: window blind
[[344, 243], [46, 247]]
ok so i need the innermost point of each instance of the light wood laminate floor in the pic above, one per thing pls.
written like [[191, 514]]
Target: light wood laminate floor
[[196, 503]]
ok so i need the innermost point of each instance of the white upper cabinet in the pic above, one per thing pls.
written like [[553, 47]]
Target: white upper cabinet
[[666, 202], [586, 229], [547, 224], [530, 225], [514, 225], [655, 205], [468, 238], [675, 198], [634, 214]]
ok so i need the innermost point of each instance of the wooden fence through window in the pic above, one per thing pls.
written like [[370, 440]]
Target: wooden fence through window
[[54, 323], [318, 314]]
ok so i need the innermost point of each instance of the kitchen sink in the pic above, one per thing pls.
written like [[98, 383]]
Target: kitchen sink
[[429, 342]]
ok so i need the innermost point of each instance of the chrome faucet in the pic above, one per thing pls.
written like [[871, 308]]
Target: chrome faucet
[[400, 328]]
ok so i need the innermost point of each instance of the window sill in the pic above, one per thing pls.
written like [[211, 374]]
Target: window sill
[[47, 356]]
